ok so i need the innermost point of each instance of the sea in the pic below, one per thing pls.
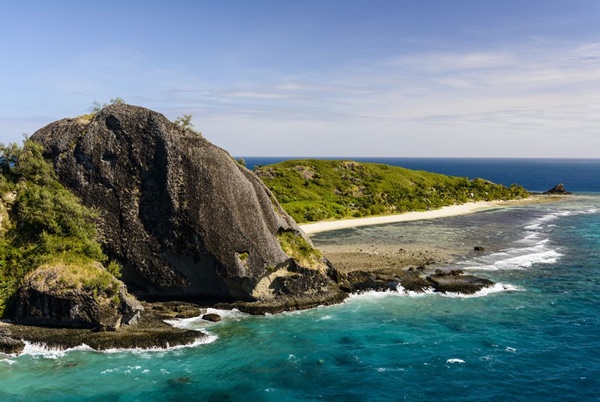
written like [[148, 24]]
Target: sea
[[535, 336]]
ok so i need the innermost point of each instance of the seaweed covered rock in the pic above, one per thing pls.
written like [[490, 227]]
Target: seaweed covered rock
[[79, 295], [183, 218]]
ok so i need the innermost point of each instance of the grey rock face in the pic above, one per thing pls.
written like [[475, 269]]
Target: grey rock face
[[178, 212], [40, 301]]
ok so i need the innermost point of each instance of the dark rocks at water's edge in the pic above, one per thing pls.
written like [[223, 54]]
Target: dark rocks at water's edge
[[9, 345], [559, 189], [413, 280], [456, 281], [150, 332], [41, 301], [187, 223], [212, 317], [301, 289], [184, 219]]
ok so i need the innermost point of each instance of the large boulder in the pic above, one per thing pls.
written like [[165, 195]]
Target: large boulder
[[183, 218], [82, 295]]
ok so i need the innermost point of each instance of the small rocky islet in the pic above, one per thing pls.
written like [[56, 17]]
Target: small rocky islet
[[190, 227]]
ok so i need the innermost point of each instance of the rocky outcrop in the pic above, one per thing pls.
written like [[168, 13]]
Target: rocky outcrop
[[559, 189], [211, 317], [51, 296], [9, 345], [456, 281], [183, 218], [150, 332], [453, 281]]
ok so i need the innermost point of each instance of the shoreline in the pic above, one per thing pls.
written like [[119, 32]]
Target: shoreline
[[444, 212], [372, 267]]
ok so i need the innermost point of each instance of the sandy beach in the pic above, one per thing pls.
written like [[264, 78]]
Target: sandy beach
[[444, 212]]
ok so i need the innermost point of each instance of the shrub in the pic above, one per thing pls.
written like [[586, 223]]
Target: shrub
[[46, 222]]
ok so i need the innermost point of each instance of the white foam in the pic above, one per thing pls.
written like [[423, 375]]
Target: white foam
[[204, 340], [46, 352], [198, 323], [399, 292], [43, 350], [517, 259], [384, 369], [527, 260], [459, 361], [498, 287], [400, 289]]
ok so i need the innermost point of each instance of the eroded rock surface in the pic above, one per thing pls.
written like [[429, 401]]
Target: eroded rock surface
[[178, 212], [48, 297]]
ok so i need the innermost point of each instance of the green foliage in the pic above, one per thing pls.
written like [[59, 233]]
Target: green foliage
[[298, 248], [241, 161], [314, 190], [67, 273], [185, 123], [114, 268], [97, 106], [42, 221], [243, 256]]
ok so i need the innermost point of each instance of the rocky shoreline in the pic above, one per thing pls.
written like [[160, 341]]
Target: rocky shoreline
[[152, 332], [178, 219]]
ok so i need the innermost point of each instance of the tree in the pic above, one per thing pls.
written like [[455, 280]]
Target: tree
[[185, 122], [97, 106]]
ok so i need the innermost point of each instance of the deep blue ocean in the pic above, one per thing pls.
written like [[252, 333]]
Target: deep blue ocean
[[534, 174], [533, 337]]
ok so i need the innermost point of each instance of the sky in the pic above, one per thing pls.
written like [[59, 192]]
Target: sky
[[376, 78]]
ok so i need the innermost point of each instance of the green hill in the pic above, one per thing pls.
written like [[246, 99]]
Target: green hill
[[314, 190]]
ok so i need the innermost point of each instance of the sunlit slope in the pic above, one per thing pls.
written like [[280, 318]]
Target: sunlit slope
[[314, 190]]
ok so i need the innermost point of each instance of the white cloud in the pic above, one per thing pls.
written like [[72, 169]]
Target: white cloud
[[447, 103]]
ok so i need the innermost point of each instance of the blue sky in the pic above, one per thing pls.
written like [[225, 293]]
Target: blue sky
[[463, 78]]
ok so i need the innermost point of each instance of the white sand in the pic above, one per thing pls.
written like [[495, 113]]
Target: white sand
[[444, 212]]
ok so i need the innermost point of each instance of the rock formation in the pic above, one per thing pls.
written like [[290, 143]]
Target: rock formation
[[50, 296], [183, 218], [412, 280], [558, 189], [9, 345]]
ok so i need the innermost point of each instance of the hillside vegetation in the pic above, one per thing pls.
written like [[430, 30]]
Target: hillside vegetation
[[42, 223], [314, 190]]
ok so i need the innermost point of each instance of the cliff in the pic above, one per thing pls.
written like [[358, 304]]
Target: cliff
[[181, 216]]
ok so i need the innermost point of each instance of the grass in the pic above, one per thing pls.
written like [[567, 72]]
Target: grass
[[67, 274], [299, 249], [314, 190]]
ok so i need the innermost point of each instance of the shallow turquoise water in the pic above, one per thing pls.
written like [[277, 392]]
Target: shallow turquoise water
[[536, 338]]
